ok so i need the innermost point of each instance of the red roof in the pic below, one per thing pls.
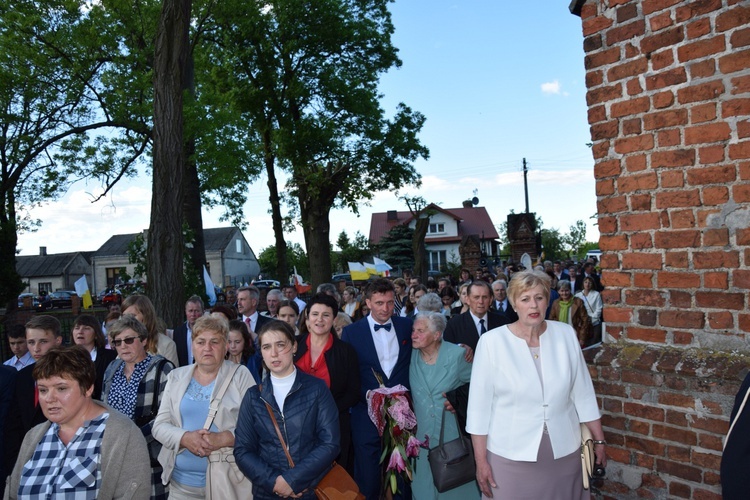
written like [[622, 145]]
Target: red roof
[[474, 220]]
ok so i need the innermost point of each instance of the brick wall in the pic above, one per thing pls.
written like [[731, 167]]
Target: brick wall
[[669, 108]]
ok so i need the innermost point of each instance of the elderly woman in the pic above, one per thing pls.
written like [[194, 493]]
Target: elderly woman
[[141, 307], [594, 305], [87, 333], [322, 354], [302, 406], [133, 384], [571, 310], [86, 450], [530, 390], [184, 408], [436, 368]]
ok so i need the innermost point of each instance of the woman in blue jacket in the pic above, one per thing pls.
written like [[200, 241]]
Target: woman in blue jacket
[[307, 417]]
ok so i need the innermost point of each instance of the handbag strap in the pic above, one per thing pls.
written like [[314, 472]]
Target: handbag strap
[[213, 408], [736, 418], [442, 427], [278, 433]]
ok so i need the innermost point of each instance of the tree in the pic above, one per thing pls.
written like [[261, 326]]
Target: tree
[[295, 256], [165, 243], [395, 247], [305, 75], [575, 238], [421, 212], [64, 114], [357, 250]]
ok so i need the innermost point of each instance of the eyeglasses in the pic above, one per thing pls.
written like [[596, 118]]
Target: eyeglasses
[[128, 340]]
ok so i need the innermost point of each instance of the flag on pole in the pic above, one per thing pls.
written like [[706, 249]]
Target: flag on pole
[[82, 289], [358, 272], [210, 289], [382, 266], [299, 283]]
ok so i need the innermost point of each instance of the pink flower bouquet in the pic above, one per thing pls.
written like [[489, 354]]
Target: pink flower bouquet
[[391, 412]]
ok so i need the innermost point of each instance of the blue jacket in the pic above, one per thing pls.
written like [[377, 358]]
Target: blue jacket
[[309, 424]]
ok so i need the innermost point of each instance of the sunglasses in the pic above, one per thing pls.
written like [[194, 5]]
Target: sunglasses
[[128, 341]]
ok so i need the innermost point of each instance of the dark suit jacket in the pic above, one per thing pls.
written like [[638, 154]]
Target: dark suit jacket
[[462, 330], [262, 320], [509, 314], [7, 383], [180, 338], [22, 416]]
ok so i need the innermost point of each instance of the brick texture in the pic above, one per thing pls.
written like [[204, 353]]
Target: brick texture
[[669, 107]]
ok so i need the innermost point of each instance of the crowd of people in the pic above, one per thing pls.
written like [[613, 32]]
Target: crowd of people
[[136, 410]]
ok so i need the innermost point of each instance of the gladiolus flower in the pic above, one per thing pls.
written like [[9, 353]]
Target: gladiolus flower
[[396, 462]]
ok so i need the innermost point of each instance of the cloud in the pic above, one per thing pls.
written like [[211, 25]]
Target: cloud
[[552, 87]]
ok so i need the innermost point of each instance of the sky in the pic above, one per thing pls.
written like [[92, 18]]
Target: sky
[[498, 81]]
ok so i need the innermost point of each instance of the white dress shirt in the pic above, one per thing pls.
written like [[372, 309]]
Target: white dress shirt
[[386, 345], [21, 362], [253, 321], [476, 323]]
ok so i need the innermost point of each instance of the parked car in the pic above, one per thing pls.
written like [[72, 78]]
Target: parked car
[[110, 296], [34, 300], [266, 284], [62, 298]]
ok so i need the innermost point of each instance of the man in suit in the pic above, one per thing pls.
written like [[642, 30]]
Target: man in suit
[[248, 298], [183, 334], [465, 329], [383, 345], [590, 271], [560, 273], [7, 386], [500, 303], [273, 298], [43, 332]]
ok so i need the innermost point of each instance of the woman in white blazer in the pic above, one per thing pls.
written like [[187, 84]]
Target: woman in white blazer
[[530, 390], [184, 408]]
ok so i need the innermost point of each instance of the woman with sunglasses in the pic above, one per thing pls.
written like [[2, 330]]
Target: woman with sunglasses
[[133, 384]]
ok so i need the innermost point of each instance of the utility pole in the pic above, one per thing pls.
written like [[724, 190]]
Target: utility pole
[[526, 184]]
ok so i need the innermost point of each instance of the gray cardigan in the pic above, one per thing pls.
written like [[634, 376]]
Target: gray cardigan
[[126, 468]]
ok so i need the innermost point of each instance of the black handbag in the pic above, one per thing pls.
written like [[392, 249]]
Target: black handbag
[[452, 463]]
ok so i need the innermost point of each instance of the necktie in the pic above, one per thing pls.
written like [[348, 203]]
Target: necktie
[[378, 327], [482, 328], [249, 325]]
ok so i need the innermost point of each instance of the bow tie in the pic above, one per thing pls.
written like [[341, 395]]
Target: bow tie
[[378, 327]]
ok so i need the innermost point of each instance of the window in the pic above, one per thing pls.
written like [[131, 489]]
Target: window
[[238, 245], [45, 288], [113, 276], [437, 227], [437, 260]]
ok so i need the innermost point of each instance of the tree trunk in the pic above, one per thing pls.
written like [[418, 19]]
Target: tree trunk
[[420, 252], [316, 227], [282, 266], [165, 243], [10, 282]]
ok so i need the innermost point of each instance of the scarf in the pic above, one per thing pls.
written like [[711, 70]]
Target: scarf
[[564, 315]]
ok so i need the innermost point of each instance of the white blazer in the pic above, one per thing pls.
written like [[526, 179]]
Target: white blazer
[[508, 404], [167, 428]]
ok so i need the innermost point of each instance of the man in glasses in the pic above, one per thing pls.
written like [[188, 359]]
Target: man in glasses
[[43, 332]]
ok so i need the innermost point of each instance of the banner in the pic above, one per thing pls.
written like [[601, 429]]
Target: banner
[[358, 272], [299, 283], [210, 289], [82, 289]]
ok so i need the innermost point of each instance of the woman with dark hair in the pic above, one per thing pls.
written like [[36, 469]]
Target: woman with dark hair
[[302, 406], [85, 450], [289, 313], [448, 296], [415, 293], [351, 304], [322, 354], [240, 346], [141, 307], [133, 384], [401, 295], [227, 311], [87, 333]]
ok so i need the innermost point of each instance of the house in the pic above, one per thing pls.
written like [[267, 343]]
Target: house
[[45, 273], [228, 254], [448, 228]]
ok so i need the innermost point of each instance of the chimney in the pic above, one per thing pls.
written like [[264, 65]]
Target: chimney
[[468, 204], [392, 215], [43, 251]]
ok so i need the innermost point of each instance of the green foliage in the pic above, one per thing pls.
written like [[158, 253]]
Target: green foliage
[[352, 251], [395, 247], [295, 255]]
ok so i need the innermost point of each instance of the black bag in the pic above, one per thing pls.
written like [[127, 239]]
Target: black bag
[[452, 463]]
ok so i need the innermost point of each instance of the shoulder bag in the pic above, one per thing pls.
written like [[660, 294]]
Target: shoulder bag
[[452, 463], [224, 480], [587, 455], [337, 484]]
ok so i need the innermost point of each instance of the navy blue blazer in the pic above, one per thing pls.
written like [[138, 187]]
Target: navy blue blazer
[[358, 335], [181, 341]]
